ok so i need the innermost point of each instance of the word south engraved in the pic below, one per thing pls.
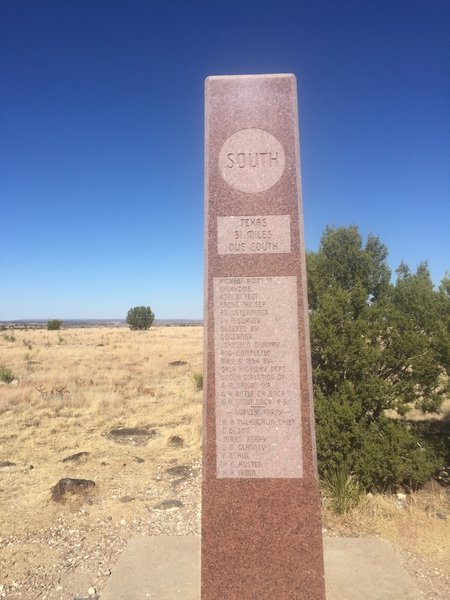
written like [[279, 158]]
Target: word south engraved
[[252, 160]]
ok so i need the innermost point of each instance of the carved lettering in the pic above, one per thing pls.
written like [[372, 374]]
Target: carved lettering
[[251, 160], [258, 422], [254, 235]]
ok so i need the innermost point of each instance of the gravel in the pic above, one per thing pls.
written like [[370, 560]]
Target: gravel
[[74, 558]]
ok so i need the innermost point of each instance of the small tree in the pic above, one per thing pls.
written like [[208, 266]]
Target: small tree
[[376, 347], [54, 325], [140, 317]]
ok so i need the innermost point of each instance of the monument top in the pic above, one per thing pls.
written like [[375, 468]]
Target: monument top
[[251, 75]]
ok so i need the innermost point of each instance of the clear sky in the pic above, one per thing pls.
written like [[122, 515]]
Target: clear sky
[[101, 138]]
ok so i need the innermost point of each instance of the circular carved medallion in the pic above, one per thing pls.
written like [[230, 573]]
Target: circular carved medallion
[[251, 160]]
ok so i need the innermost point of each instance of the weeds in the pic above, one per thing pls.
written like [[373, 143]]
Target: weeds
[[6, 375], [9, 337], [341, 489], [198, 381], [57, 391], [28, 344]]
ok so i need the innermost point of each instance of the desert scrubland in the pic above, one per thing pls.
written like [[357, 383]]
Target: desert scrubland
[[71, 389], [112, 394]]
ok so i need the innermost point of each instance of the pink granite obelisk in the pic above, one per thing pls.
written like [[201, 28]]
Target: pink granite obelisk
[[261, 529]]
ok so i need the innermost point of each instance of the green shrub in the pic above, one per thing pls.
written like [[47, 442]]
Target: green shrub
[[382, 454], [6, 375], [140, 317], [54, 325], [198, 381]]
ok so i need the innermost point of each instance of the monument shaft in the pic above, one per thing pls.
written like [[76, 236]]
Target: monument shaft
[[261, 530]]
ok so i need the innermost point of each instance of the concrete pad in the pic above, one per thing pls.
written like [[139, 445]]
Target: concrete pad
[[157, 568], [168, 568], [365, 568]]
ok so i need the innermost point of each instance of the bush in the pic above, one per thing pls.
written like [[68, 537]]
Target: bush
[[382, 453], [140, 317], [54, 325], [6, 375], [377, 347]]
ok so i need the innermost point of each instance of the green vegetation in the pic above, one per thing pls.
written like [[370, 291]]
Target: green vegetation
[[341, 489], [140, 317], [198, 381], [376, 346], [6, 375], [54, 325]]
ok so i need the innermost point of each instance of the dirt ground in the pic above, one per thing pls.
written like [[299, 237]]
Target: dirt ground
[[112, 395]]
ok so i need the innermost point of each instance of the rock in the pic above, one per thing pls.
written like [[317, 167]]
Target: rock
[[176, 441], [75, 457], [92, 591], [180, 471], [125, 499], [176, 483], [136, 436], [138, 459], [177, 363], [68, 485], [167, 504], [6, 464], [401, 500], [442, 516]]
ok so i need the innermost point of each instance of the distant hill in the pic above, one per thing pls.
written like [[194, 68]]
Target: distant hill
[[68, 323]]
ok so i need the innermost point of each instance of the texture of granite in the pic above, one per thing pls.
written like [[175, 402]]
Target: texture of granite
[[261, 536]]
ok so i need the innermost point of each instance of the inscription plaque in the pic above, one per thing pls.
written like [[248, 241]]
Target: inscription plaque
[[269, 234], [251, 160], [257, 377]]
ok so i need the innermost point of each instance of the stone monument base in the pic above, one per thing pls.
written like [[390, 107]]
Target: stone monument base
[[168, 568]]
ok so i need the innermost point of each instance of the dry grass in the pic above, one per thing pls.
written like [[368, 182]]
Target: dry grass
[[74, 386], [414, 526]]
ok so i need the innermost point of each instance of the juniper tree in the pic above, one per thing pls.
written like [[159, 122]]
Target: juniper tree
[[376, 346], [140, 317]]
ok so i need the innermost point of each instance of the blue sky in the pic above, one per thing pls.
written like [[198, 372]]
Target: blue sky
[[101, 138]]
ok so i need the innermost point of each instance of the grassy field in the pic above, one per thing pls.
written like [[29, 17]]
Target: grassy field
[[71, 388]]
